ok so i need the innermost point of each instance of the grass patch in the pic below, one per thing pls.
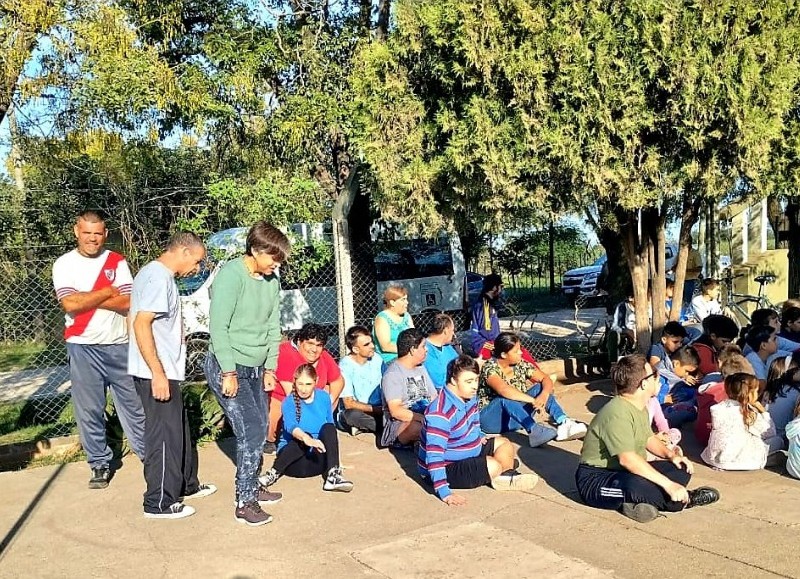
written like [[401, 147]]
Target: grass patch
[[532, 300], [26, 355], [32, 420]]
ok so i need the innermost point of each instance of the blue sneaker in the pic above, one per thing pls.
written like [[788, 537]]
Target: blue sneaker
[[541, 434]]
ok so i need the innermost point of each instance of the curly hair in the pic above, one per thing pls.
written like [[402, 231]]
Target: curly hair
[[738, 387]]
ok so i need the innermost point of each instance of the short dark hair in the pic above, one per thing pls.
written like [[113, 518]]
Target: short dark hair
[[408, 338], [627, 374], [184, 239], [460, 365], [266, 238], [504, 342], [721, 326], [491, 281], [441, 322], [790, 315], [91, 215], [670, 283], [673, 330], [709, 283], [311, 332], [351, 337], [687, 356], [757, 336], [762, 316]]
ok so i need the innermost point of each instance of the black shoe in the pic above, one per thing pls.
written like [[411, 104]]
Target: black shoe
[[100, 477], [270, 448], [640, 512], [702, 496]]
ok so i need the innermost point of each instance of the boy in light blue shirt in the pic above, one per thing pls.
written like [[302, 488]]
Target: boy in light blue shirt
[[360, 409], [440, 349]]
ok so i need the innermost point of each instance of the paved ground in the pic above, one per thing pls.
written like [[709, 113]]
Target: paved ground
[[51, 525]]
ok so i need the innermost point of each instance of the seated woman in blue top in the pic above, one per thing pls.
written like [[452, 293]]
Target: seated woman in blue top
[[308, 445], [393, 319]]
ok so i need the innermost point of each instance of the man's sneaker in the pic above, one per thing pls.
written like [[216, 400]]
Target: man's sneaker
[[267, 497], [203, 490], [270, 447], [511, 480], [336, 482], [252, 514], [640, 512], [269, 478], [702, 496], [570, 430], [100, 477], [355, 431], [174, 511], [541, 434]]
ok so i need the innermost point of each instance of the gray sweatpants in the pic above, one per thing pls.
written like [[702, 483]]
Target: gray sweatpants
[[93, 369]]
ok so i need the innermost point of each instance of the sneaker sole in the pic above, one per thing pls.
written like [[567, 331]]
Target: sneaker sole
[[197, 496], [249, 524], [640, 512], [276, 501], [520, 482], [98, 485], [339, 489], [576, 436], [169, 516]]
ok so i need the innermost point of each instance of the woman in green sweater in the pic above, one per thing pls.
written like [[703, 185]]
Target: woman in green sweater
[[245, 333]]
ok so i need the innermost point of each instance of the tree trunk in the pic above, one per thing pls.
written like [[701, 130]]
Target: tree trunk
[[384, 8], [793, 216], [637, 252], [654, 226], [551, 255], [689, 215]]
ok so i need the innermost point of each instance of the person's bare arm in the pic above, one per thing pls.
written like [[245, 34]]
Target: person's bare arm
[[351, 403], [143, 333], [400, 412], [80, 302], [335, 390], [635, 464], [506, 390], [119, 304]]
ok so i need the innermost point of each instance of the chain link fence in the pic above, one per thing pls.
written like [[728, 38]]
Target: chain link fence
[[34, 375]]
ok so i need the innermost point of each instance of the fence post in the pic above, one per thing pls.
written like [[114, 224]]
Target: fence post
[[342, 258]]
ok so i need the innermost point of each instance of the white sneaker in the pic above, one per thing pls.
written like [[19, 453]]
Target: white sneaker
[[511, 480], [570, 430], [203, 490], [174, 511]]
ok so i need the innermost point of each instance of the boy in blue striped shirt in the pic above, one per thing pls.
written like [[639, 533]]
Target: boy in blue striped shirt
[[453, 453]]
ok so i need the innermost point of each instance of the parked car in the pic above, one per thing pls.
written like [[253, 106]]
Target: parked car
[[583, 280]]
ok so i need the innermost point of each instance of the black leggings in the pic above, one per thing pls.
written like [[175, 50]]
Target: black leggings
[[608, 489], [296, 460]]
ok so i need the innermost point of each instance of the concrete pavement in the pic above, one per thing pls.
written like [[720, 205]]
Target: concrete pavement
[[51, 525]]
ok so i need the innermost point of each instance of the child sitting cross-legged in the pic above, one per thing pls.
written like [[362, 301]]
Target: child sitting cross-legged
[[453, 453], [742, 432], [309, 445]]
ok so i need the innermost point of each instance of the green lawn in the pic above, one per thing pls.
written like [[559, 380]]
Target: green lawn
[[24, 355], [532, 300]]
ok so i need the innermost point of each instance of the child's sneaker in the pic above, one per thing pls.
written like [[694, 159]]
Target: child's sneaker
[[174, 511], [267, 497], [336, 482], [570, 430], [252, 514]]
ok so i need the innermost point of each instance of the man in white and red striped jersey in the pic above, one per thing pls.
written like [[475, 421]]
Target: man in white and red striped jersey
[[93, 286]]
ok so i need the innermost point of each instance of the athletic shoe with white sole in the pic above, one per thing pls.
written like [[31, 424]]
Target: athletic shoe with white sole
[[252, 514], [570, 430], [203, 490], [511, 480], [174, 511]]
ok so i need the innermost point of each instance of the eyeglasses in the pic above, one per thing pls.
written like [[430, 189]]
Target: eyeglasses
[[646, 378]]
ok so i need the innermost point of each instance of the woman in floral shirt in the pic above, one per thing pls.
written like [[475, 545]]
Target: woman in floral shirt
[[512, 391]]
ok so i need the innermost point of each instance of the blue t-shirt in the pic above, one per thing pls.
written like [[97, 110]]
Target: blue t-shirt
[[313, 416], [362, 381], [436, 362]]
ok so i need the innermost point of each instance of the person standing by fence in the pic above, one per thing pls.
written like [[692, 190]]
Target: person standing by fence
[[93, 286], [157, 362], [245, 327]]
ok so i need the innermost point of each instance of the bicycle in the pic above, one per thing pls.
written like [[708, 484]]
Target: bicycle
[[734, 302]]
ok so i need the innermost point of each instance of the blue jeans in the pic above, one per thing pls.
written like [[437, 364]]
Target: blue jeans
[[247, 414], [504, 415]]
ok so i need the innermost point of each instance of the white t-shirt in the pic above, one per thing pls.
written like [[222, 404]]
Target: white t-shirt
[[74, 273], [155, 290], [702, 308]]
